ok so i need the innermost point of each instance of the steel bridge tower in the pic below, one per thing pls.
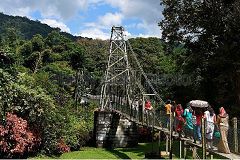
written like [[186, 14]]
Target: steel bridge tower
[[117, 76]]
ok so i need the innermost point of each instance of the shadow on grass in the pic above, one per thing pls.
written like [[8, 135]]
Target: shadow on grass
[[136, 151], [141, 150], [118, 154]]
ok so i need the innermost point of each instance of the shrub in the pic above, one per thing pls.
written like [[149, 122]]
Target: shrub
[[62, 147], [16, 138]]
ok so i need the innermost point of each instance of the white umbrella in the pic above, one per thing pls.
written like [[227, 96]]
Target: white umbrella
[[199, 103]]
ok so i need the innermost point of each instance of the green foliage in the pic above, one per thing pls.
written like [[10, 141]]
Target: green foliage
[[210, 32], [56, 39], [6, 80], [31, 102], [151, 53], [96, 52], [37, 84], [27, 101], [26, 49], [7, 58], [95, 55], [77, 59], [37, 43], [47, 56], [75, 133]]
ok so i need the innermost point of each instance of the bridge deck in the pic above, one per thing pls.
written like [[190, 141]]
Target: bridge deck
[[188, 141]]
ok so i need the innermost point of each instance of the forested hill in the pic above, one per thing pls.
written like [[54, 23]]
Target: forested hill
[[27, 28]]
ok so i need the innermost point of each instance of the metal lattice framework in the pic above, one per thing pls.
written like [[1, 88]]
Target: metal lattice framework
[[122, 84], [117, 75]]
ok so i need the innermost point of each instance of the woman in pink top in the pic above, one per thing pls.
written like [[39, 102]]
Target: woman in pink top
[[179, 118]]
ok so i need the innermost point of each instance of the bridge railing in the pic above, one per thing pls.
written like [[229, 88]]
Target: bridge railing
[[159, 118], [214, 137]]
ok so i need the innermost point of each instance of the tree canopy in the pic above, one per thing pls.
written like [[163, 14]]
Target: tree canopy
[[210, 32]]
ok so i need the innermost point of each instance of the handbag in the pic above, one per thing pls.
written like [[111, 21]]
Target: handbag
[[217, 134]]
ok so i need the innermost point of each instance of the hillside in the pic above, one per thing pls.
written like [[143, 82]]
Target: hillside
[[27, 28]]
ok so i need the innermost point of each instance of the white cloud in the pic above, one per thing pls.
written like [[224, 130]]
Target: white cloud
[[97, 30], [129, 35], [97, 33], [147, 12], [151, 30], [16, 9], [56, 24], [94, 33], [63, 9], [101, 29], [60, 9], [110, 19], [91, 24]]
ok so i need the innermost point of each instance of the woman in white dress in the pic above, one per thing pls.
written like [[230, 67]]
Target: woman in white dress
[[210, 119]]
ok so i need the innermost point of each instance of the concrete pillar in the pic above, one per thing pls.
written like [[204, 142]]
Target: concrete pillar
[[112, 130]]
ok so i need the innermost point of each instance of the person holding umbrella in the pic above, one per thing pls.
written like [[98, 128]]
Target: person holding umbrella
[[199, 107]]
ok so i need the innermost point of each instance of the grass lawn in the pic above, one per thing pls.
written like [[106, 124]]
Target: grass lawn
[[118, 153], [124, 153]]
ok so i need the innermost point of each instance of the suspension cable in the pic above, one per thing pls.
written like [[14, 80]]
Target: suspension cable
[[143, 73]]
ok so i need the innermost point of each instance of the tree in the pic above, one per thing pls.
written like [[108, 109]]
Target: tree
[[210, 31], [75, 55], [26, 49], [95, 53], [37, 43], [53, 38]]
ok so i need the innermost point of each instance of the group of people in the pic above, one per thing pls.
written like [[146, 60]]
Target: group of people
[[190, 119]]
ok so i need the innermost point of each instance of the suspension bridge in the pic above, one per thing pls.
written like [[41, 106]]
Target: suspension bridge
[[122, 103]]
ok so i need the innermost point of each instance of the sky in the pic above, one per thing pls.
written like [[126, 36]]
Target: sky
[[91, 18]]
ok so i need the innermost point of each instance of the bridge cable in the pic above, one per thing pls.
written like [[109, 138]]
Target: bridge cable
[[144, 74]]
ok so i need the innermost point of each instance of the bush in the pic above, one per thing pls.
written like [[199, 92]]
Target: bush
[[60, 127], [62, 147], [72, 128], [16, 138]]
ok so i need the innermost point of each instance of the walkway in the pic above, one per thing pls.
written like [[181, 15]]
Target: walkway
[[166, 132]]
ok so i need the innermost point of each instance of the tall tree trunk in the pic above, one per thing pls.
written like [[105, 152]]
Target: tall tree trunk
[[38, 62]]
